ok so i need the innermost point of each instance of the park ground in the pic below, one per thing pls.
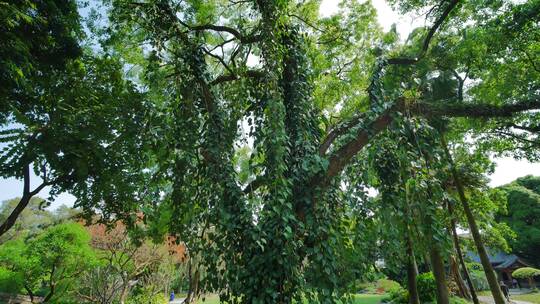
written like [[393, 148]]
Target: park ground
[[533, 298], [358, 299]]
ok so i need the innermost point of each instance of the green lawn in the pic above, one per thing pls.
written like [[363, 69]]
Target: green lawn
[[530, 297], [358, 299], [368, 299]]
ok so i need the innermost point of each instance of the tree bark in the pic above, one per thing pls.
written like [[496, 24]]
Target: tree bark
[[454, 268], [193, 278], [437, 264], [484, 259], [25, 199], [459, 254], [412, 272]]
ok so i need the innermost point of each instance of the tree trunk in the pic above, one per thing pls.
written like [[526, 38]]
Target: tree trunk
[[412, 272], [30, 293], [25, 199], [484, 259], [437, 264], [49, 295], [459, 254], [193, 283], [412, 268], [454, 269]]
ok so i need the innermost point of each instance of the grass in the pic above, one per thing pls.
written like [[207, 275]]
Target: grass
[[368, 299], [533, 297], [529, 297], [358, 299]]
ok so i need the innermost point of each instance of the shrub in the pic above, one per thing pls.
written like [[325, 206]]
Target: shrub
[[426, 287], [148, 298], [10, 282], [385, 285], [526, 272], [397, 296]]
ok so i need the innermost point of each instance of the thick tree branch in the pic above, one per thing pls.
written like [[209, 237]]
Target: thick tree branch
[[339, 130], [25, 199], [344, 154], [427, 40], [531, 129], [254, 185], [473, 110], [231, 77], [221, 28]]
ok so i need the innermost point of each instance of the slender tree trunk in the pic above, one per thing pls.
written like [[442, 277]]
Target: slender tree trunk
[[49, 295], [459, 254], [30, 293], [412, 272], [454, 269], [437, 264], [435, 256], [193, 283], [484, 259], [412, 268], [25, 199]]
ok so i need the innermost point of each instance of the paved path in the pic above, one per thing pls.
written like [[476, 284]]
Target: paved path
[[489, 300], [177, 301]]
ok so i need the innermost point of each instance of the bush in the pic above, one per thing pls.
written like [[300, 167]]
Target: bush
[[426, 287], [387, 286], [146, 298], [10, 282], [526, 273], [397, 296]]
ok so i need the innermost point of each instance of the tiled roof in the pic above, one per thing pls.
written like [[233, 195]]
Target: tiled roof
[[499, 260]]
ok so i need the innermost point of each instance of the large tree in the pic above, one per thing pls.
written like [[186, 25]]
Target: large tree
[[307, 94]]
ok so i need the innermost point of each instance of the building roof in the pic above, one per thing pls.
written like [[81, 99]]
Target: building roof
[[499, 260]]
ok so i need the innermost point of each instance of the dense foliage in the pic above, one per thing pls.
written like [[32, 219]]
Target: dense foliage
[[47, 264], [252, 131], [523, 217], [50, 258]]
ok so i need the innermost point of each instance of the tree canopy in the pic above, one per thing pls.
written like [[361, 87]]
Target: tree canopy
[[523, 215], [252, 130]]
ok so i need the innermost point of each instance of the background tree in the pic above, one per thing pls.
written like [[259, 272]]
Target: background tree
[[63, 111], [31, 221], [126, 264], [47, 264], [523, 216]]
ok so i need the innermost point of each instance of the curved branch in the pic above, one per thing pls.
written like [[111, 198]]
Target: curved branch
[[25, 199], [343, 155], [221, 28], [428, 38], [473, 110], [232, 76]]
